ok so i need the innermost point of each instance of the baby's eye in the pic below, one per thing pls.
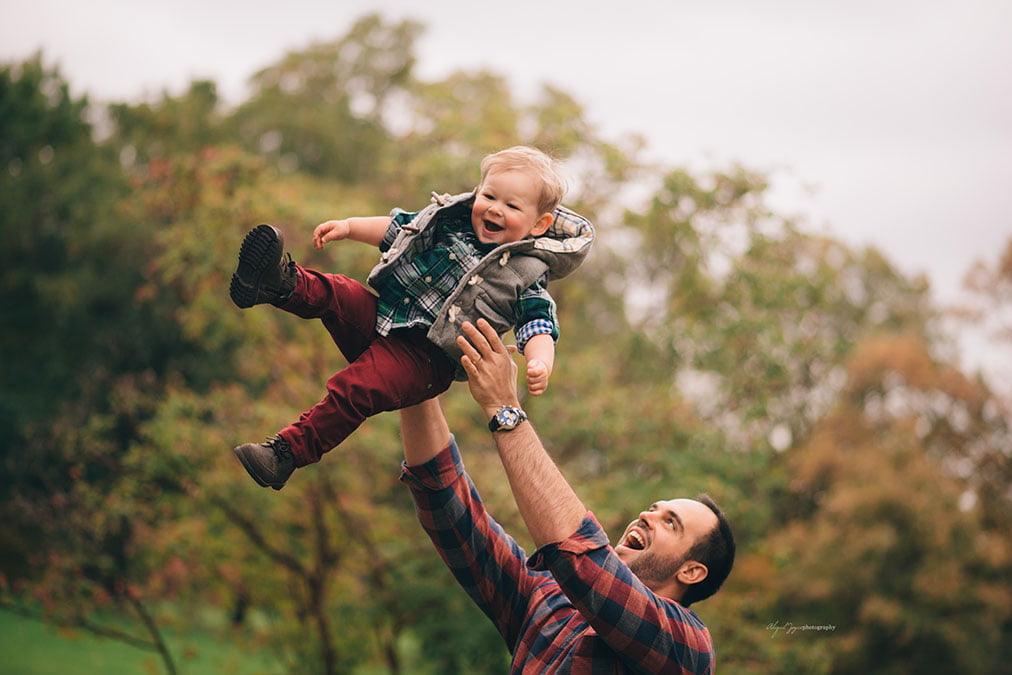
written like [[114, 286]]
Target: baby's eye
[[514, 207]]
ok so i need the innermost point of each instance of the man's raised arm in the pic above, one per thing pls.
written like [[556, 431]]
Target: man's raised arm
[[547, 503], [424, 432]]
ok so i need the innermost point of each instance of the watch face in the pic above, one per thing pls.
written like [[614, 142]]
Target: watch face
[[508, 418]]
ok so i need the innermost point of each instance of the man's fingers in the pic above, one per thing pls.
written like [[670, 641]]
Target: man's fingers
[[477, 339], [491, 337], [469, 366], [469, 351], [481, 341]]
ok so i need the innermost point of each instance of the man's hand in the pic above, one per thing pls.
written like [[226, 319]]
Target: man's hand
[[491, 372], [547, 503], [332, 230]]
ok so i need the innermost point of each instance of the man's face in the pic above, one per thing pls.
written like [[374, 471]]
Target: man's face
[[656, 545], [506, 208]]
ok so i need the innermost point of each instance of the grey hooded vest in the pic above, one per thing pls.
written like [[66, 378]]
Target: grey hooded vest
[[491, 288]]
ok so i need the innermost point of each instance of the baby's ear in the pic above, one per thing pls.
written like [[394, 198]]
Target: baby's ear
[[544, 222]]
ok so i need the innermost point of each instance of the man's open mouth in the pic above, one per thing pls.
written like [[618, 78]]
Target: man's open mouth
[[635, 540]]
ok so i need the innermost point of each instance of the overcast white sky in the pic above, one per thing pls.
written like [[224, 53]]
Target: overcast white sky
[[884, 122]]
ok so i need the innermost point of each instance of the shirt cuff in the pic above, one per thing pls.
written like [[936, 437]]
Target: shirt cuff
[[590, 536], [530, 329], [436, 474]]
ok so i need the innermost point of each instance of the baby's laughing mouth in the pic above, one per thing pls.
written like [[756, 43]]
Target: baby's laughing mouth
[[492, 227]]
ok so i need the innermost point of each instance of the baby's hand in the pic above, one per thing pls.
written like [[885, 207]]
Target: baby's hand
[[332, 230], [537, 377]]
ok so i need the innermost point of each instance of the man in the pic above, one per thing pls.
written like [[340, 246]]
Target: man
[[577, 605]]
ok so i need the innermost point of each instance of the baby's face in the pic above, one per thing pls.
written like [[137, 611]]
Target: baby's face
[[506, 208]]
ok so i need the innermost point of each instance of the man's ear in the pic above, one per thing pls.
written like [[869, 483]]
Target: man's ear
[[544, 221], [691, 572]]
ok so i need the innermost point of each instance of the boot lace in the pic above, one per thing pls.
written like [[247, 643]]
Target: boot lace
[[281, 447]]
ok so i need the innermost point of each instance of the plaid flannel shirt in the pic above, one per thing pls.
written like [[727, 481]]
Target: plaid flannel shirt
[[574, 607], [413, 294]]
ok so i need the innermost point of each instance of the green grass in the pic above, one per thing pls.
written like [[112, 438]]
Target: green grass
[[29, 647]]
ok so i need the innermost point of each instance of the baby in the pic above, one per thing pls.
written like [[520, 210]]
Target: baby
[[484, 254]]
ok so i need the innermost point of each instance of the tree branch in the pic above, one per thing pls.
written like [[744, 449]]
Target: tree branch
[[247, 526], [80, 623]]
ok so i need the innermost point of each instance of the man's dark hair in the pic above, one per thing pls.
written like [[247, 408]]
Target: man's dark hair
[[716, 551]]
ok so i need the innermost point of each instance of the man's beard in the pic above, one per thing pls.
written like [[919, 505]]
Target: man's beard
[[653, 568]]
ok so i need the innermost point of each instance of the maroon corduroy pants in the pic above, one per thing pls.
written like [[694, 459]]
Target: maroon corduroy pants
[[384, 372]]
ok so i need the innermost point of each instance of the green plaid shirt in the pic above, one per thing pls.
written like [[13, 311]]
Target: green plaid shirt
[[416, 289]]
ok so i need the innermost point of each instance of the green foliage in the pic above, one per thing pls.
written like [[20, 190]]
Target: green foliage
[[892, 523], [708, 345], [322, 110], [57, 191], [173, 125]]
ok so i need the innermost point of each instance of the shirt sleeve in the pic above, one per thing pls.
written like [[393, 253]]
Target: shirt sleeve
[[486, 561], [652, 633], [537, 314], [398, 219]]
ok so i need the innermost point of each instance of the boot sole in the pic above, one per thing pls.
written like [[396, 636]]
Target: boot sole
[[260, 250], [252, 472]]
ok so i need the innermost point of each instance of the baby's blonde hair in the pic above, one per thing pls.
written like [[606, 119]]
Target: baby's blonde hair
[[543, 168]]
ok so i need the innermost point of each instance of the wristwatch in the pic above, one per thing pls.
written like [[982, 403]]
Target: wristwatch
[[506, 419]]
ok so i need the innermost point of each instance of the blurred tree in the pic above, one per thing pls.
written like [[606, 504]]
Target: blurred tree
[[990, 286], [61, 297], [171, 126], [991, 283], [449, 126], [890, 542], [755, 316], [986, 310], [324, 110], [61, 249], [90, 353]]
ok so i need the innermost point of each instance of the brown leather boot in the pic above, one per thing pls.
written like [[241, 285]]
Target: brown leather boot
[[263, 273], [270, 463]]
